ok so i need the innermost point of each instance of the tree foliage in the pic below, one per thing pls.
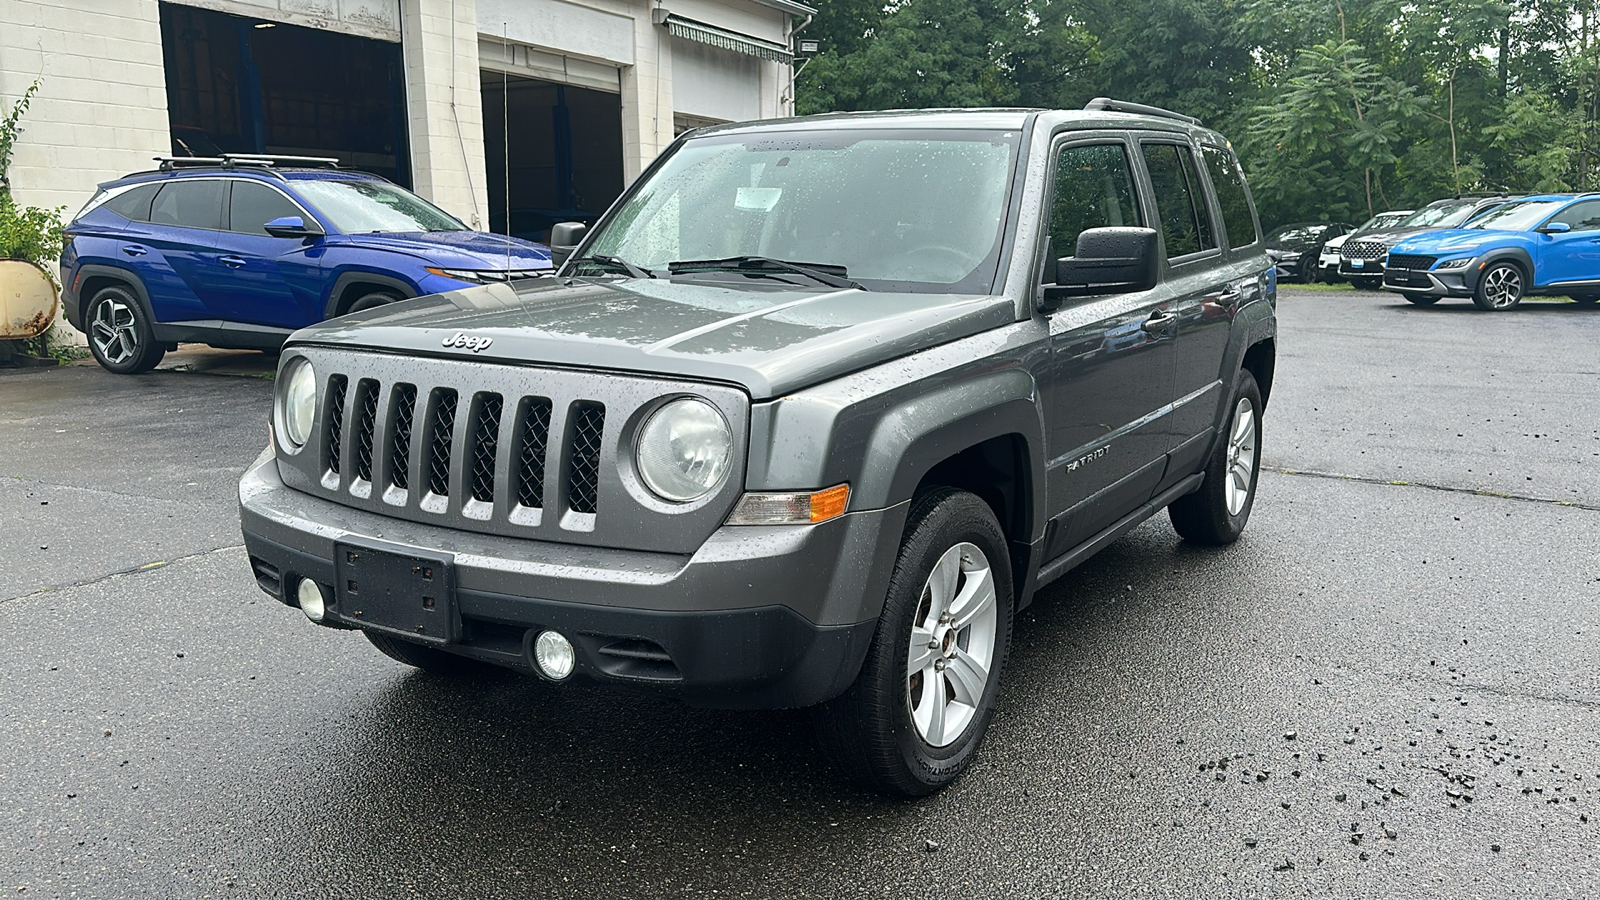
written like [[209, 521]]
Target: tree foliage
[[1339, 108]]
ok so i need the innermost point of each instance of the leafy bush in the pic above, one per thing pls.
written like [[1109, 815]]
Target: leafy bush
[[29, 232]]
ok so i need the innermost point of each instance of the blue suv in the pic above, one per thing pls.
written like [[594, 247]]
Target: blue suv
[[1547, 244], [238, 252]]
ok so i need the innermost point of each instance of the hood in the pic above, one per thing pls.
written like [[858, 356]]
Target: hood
[[769, 340], [1390, 236], [1453, 240], [460, 249]]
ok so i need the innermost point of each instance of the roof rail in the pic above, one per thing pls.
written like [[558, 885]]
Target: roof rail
[[269, 159], [168, 163], [1123, 106]]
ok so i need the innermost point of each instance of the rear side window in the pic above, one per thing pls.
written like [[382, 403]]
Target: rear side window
[[189, 203], [1185, 219], [252, 205], [1229, 182], [1094, 189], [134, 203]]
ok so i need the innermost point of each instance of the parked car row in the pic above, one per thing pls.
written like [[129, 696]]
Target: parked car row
[[239, 251]]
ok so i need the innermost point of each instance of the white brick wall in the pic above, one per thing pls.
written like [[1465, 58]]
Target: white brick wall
[[445, 106], [101, 109]]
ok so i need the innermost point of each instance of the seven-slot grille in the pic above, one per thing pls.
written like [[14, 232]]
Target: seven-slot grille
[[430, 417], [1407, 261], [1363, 250]]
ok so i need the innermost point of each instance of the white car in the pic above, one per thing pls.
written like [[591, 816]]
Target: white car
[[1328, 261]]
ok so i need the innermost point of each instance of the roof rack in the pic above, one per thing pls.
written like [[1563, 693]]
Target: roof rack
[[235, 160], [1123, 106]]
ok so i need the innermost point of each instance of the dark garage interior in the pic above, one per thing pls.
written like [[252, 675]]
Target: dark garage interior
[[564, 146], [241, 85]]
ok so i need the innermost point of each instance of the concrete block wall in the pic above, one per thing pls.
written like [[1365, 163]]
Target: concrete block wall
[[445, 106]]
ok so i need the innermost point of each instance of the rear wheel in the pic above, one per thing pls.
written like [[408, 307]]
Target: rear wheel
[[428, 659], [913, 719], [1500, 287], [1216, 513], [1422, 299], [1586, 299], [120, 335]]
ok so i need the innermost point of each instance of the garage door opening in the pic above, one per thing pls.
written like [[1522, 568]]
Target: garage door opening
[[242, 85], [553, 153]]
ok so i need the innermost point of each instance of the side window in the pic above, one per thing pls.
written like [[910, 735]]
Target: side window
[[189, 203], [1185, 221], [1229, 182], [134, 203], [252, 205], [1094, 189], [1583, 216]]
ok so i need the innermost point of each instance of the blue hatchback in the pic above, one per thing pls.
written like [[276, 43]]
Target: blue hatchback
[[1548, 244], [239, 252]]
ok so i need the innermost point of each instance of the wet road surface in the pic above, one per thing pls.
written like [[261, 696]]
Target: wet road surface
[[1382, 690]]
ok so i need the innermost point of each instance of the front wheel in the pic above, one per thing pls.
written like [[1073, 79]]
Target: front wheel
[[372, 300], [1500, 287], [913, 719], [1366, 284], [1216, 513], [1422, 299]]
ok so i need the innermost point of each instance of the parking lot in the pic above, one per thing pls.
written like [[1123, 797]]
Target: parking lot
[[1387, 688]]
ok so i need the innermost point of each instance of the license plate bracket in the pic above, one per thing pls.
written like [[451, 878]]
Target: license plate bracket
[[407, 593]]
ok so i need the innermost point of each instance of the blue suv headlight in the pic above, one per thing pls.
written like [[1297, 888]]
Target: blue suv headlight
[[485, 276], [1451, 265]]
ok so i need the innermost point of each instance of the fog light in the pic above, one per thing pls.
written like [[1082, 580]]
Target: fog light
[[554, 655], [311, 603]]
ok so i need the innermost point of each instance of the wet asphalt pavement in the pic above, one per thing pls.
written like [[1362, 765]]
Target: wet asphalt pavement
[[1388, 688]]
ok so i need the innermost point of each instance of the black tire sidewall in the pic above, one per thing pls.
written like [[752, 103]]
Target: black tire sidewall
[[371, 300], [148, 354], [1481, 300], [1203, 517], [874, 711]]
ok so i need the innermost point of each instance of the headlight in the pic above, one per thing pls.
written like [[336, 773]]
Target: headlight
[[683, 450], [1452, 264], [485, 276], [297, 403]]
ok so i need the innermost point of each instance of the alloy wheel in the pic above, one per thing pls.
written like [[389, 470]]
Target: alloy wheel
[[952, 645], [1502, 286], [114, 331], [1241, 456]]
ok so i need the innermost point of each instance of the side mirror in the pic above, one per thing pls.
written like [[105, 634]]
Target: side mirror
[[565, 238], [293, 227], [1555, 228], [1106, 261]]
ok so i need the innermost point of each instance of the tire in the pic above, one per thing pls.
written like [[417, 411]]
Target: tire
[[1366, 284], [428, 659], [120, 336], [1422, 299], [372, 300], [1499, 288], [892, 730], [1215, 515], [1586, 299], [1308, 268]]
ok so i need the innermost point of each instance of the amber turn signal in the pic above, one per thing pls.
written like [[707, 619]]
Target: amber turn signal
[[796, 508]]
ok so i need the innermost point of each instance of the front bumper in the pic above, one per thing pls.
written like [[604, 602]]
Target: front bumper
[[756, 618], [1434, 284], [1369, 268]]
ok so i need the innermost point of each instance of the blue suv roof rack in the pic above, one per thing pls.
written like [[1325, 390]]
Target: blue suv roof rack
[[236, 160], [1123, 106]]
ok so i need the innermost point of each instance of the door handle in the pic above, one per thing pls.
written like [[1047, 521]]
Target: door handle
[[1230, 296], [1158, 322], [134, 250], [232, 262]]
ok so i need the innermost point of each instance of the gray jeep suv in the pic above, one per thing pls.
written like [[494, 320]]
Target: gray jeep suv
[[805, 420]]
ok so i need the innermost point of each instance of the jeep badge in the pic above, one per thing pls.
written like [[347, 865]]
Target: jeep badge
[[466, 342]]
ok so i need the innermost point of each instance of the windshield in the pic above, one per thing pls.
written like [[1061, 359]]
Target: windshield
[[1295, 234], [1382, 220], [1439, 216], [896, 209], [1519, 215], [361, 207]]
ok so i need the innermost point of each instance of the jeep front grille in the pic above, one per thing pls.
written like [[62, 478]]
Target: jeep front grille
[[500, 449], [1363, 250], [1408, 261]]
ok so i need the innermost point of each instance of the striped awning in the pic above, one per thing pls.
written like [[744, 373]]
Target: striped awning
[[723, 39]]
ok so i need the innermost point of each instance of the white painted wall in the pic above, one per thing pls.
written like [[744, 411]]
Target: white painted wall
[[364, 18], [445, 106], [716, 84], [571, 29]]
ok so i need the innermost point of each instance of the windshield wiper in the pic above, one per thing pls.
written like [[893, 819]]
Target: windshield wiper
[[830, 275], [617, 262]]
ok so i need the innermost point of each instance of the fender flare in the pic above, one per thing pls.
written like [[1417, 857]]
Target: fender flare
[[1515, 254], [917, 433], [349, 277], [73, 303]]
